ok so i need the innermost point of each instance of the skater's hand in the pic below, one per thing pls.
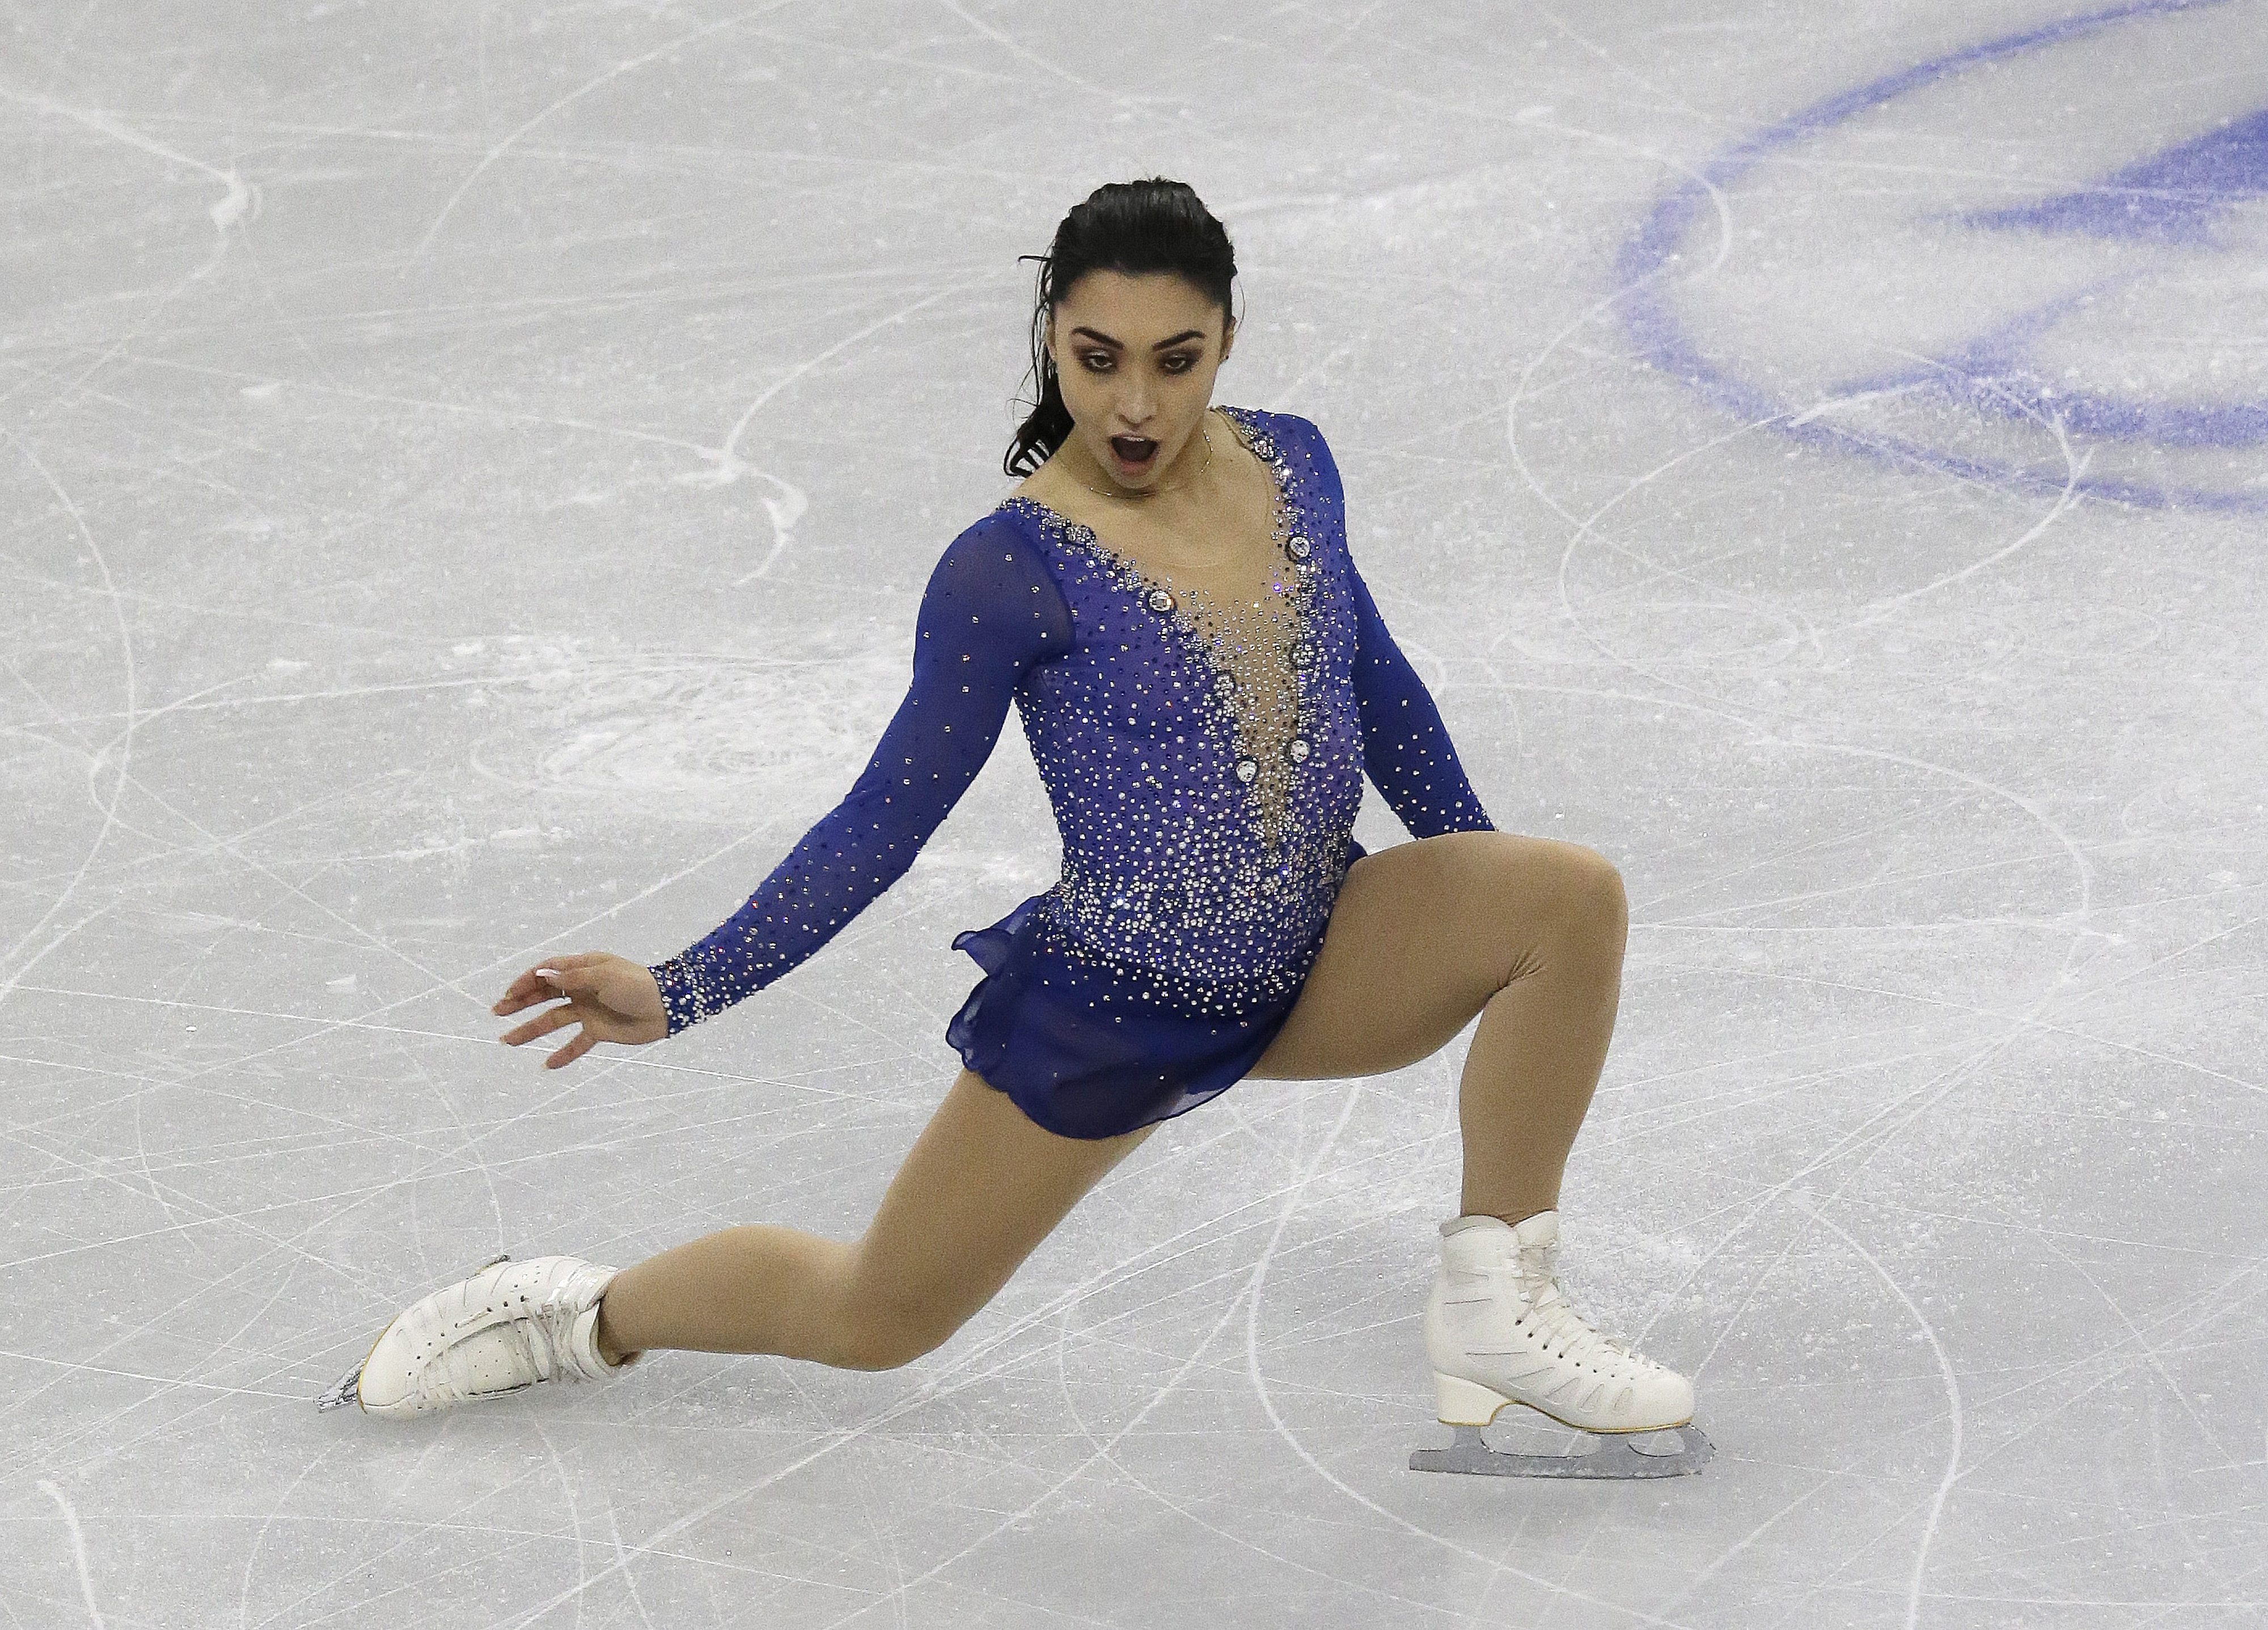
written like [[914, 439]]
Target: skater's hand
[[611, 997]]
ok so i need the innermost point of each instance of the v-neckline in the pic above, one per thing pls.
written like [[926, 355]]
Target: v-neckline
[[1293, 701], [1279, 507]]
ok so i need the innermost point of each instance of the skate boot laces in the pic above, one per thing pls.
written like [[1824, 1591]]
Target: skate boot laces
[[1535, 1276], [538, 1336]]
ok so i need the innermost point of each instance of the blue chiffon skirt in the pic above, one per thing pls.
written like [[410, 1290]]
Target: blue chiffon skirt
[[1085, 1052]]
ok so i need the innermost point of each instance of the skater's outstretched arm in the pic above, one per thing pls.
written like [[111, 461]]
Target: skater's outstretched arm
[[1405, 746], [991, 612]]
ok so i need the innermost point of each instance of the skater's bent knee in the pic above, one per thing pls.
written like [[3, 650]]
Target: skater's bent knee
[[1581, 895], [1562, 893], [880, 1321], [1598, 886], [879, 1339]]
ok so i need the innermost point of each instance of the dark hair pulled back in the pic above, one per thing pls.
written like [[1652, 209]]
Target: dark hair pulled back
[[1130, 227]]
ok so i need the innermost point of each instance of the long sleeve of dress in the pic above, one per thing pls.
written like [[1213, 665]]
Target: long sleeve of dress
[[1406, 749], [990, 611]]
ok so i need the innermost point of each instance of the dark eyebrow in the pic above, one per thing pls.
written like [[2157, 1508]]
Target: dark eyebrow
[[1186, 333]]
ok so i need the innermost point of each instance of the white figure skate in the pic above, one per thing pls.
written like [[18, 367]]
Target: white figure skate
[[505, 1329], [1499, 1331]]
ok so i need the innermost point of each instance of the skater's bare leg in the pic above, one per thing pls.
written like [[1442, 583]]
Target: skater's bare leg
[[982, 1186], [1536, 1053], [1526, 932], [755, 1288]]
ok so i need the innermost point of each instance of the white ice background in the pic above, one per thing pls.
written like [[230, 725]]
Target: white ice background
[[468, 472]]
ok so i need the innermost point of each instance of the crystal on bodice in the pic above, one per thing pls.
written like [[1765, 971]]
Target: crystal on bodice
[[1261, 651], [1204, 749]]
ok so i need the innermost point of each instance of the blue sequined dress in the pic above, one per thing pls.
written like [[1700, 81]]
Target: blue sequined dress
[[1205, 764]]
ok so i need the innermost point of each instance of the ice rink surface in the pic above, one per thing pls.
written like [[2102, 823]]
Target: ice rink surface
[[469, 472]]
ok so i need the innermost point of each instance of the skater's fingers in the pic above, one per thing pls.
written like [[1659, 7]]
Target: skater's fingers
[[529, 987], [543, 982], [542, 1024], [572, 1051]]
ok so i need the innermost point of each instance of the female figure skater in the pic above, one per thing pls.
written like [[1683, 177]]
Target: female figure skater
[[1169, 601]]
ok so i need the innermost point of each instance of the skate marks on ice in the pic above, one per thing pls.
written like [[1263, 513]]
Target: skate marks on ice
[[578, 270], [1496, 1565]]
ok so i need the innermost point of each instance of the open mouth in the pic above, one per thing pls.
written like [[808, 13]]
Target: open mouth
[[1134, 453]]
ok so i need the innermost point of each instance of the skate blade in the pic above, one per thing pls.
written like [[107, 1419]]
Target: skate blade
[[343, 1391], [1617, 1455]]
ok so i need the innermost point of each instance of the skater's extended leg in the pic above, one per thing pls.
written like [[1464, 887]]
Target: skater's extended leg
[[757, 1288], [982, 1186], [1528, 933]]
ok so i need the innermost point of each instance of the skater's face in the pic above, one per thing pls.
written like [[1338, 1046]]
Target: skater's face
[[1136, 356]]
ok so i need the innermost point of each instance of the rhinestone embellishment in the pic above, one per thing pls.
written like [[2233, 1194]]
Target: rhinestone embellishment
[[1179, 884], [1265, 763]]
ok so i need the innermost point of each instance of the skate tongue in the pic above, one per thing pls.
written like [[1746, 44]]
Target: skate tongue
[[1535, 1241], [1543, 1228], [1542, 1288]]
